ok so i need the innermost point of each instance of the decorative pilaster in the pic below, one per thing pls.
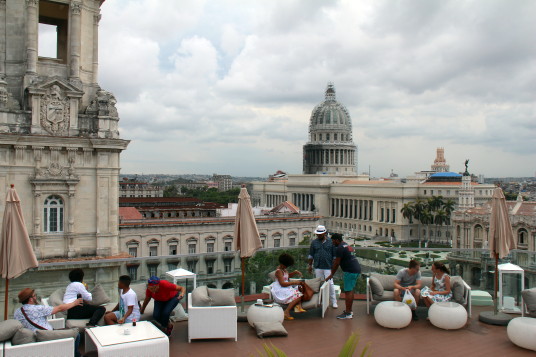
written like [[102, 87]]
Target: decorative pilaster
[[88, 155], [19, 153], [32, 28], [76, 9], [2, 38], [96, 20]]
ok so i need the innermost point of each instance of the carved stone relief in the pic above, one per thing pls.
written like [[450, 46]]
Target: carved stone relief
[[56, 171], [55, 111], [103, 105]]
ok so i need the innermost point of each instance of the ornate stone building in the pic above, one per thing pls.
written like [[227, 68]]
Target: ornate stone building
[[59, 139], [330, 149]]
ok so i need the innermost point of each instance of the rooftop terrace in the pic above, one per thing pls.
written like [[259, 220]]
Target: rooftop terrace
[[309, 335]]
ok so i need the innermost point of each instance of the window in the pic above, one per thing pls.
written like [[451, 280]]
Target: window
[[52, 30], [153, 251], [173, 249], [381, 214], [263, 242], [191, 265], [522, 236], [191, 248], [277, 243], [228, 246], [292, 241], [210, 247], [53, 214], [227, 265], [327, 137], [393, 216], [152, 269], [210, 266], [425, 192], [133, 251], [133, 272], [172, 266], [448, 192]]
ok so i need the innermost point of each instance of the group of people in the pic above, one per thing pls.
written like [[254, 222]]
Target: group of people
[[327, 255], [77, 302]]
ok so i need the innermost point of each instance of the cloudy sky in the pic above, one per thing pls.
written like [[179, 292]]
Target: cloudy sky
[[229, 86]]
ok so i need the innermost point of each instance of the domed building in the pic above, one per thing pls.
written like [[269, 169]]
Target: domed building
[[330, 149]]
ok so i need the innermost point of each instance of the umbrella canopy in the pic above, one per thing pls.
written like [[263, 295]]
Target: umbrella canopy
[[246, 234], [16, 252], [501, 236]]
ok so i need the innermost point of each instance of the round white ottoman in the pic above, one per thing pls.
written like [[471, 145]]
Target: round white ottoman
[[522, 331], [447, 315], [392, 314], [264, 314]]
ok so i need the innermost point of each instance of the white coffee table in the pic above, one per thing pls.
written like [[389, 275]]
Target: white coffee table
[[144, 340]]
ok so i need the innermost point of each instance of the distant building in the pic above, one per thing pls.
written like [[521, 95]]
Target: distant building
[[440, 164], [170, 207], [133, 188], [224, 182], [330, 149]]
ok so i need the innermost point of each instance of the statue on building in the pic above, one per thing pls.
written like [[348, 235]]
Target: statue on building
[[55, 111], [6, 99], [466, 173], [103, 105]]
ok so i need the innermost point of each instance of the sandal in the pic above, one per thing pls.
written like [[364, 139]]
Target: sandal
[[299, 309], [289, 317], [169, 330]]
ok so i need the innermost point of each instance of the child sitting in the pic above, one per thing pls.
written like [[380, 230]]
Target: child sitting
[[128, 308]]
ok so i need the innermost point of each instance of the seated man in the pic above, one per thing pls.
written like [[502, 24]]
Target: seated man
[[409, 279], [34, 317]]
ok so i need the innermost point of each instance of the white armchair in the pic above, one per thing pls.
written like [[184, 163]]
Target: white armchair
[[54, 348], [211, 321]]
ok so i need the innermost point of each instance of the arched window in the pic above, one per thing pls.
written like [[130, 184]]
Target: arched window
[[53, 214], [522, 236]]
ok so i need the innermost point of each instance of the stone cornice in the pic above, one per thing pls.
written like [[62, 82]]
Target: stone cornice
[[63, 141]]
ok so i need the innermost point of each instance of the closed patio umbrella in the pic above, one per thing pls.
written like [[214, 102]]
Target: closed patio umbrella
[[246, 234], [501, 241], [501, 236], [16, 252]]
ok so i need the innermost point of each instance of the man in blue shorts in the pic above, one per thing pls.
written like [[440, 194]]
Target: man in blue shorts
[[345, 258]]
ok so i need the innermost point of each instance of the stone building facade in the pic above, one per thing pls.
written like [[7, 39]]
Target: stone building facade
[[205, 246], [59, 139], [471, 231]]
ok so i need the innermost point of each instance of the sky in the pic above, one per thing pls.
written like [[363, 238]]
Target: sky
[[228, 86]]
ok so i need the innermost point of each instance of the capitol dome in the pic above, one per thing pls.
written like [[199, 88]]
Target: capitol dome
[[330, 149]]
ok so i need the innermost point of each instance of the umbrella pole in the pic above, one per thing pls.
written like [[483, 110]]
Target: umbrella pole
[[496, 282], [243, 261], [6, 298]]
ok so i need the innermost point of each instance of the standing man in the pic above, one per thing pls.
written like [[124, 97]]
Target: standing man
[[345, 258], [409, 279], [322, 253], [34, 317]]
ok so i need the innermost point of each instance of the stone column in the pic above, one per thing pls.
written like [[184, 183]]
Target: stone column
[[32, 30], [2, 38], [96, 19], [76, 8]]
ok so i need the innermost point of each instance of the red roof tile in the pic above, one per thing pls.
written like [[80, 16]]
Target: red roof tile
[[129, 213]]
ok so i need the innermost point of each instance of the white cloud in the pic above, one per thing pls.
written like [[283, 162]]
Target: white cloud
[[203, 86]]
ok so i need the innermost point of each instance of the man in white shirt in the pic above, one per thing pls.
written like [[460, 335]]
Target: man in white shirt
[[77, 289], [128, 308]]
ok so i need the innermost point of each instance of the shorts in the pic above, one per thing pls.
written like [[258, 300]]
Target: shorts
[[129, 318], [349, 280]]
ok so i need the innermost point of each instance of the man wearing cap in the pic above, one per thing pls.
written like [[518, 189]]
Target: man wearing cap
[[321, 255], [34, 317]]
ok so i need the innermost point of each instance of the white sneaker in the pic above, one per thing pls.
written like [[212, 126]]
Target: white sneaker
[[334, 305]]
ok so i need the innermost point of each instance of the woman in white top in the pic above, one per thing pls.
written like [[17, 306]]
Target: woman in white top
[[77, 289]]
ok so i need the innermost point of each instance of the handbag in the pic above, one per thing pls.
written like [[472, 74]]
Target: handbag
[[409, 299]]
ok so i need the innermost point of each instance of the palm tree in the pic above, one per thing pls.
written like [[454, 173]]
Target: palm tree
[[440, 218], [427, 218], [418, 208], [408, 211], [449, 206], [435, 203]]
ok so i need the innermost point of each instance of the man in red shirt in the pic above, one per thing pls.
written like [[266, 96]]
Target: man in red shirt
[[166, 297]]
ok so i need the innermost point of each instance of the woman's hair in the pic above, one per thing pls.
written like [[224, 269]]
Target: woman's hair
[[76, 275], [442, 267], [286, 259]]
